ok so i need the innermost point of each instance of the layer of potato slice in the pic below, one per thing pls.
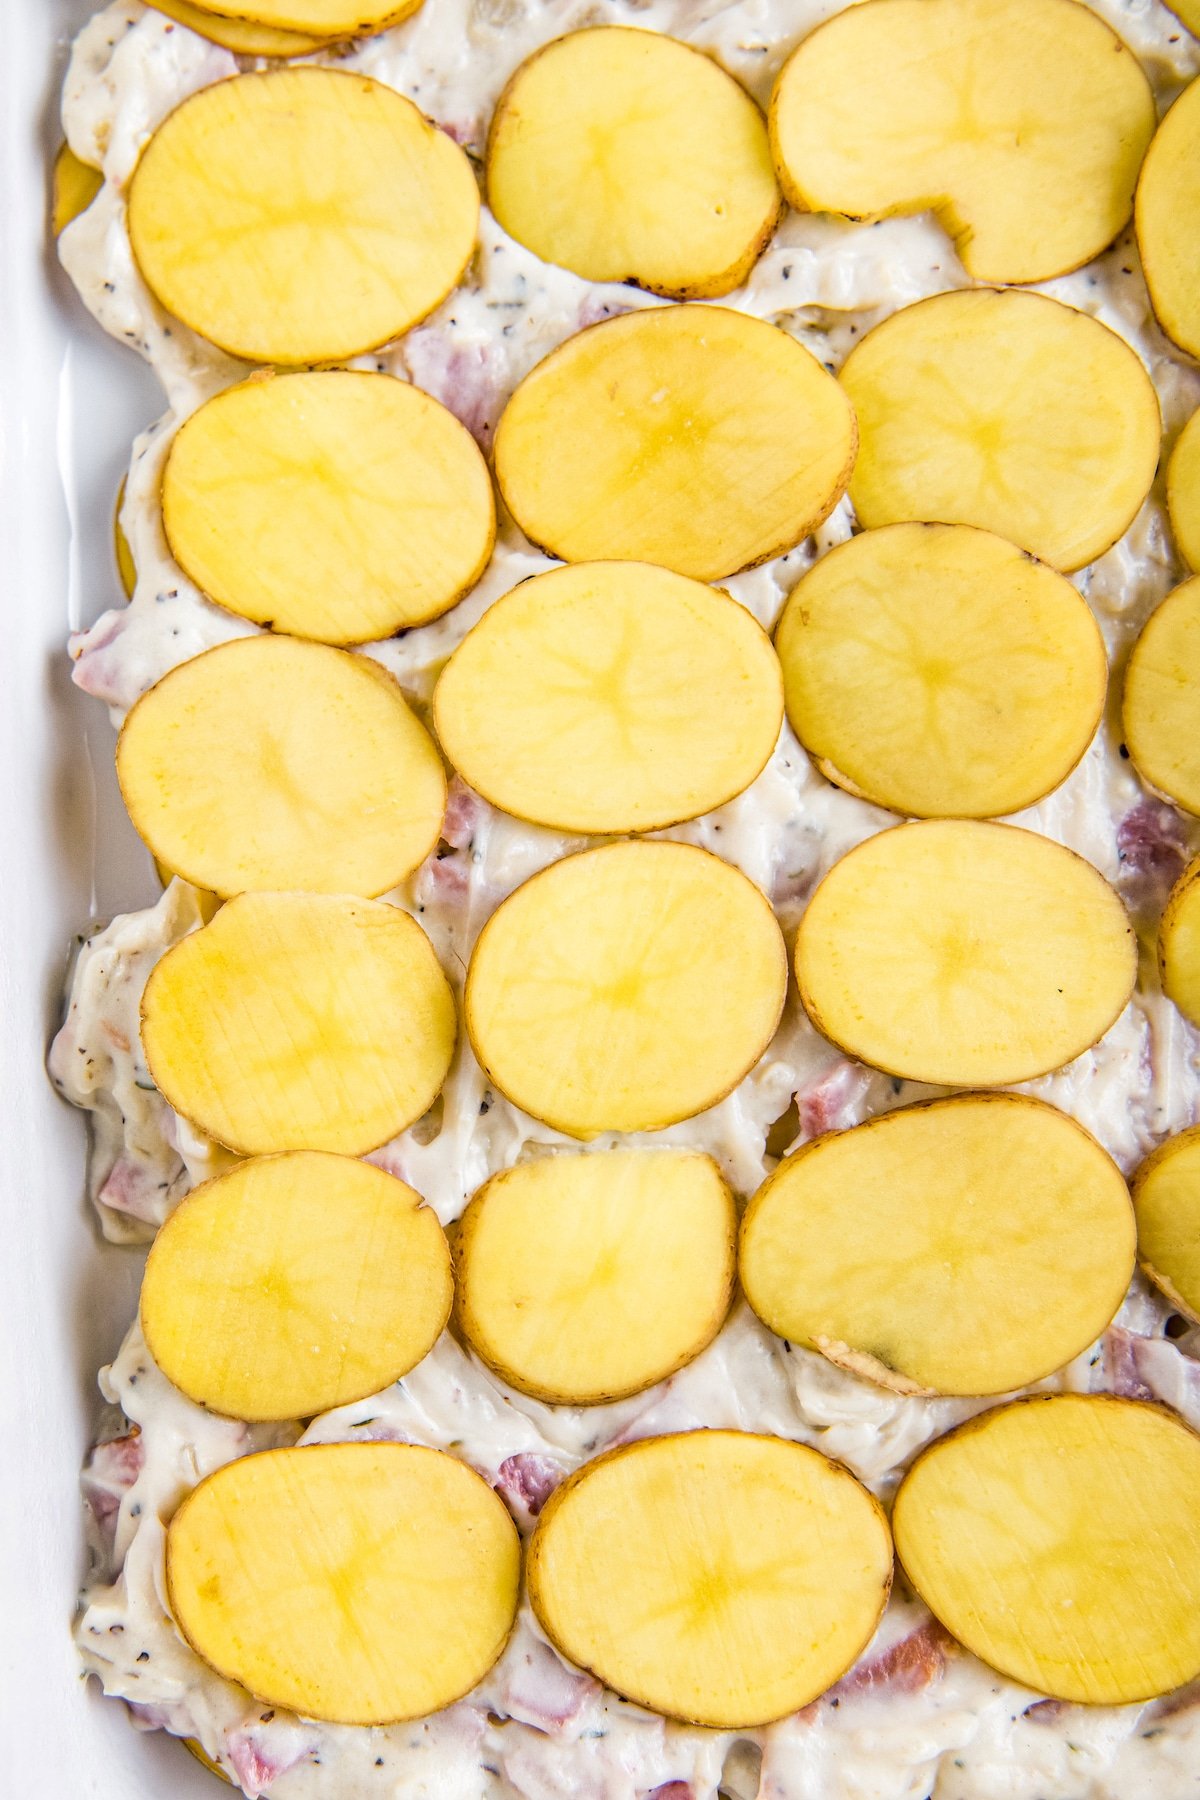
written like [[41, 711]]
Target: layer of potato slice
[[271, 763], [966, 954], [302, 215], [1179, 944], [1005, 410], [357, 1583], [122, 552], [585, 1278], [300, 1022], [1161, 710], [319, 18], [239, 35], [335, 504], [718, 1577], [293, 1284], [626, 988], [940, 671], [628, 156], [1058, 1538], [1166, 1198], [967, 1246], [74, 185], [1189, 12], [1168, 221], [611, 697], [1022, 123], [1183, 492], [691, 436]]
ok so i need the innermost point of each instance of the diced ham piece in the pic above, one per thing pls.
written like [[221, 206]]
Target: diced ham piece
[[148, 1718], [593, 310], [130, 1187], [1045, 1712], [1122, 1371], [527, 1480], [1152, 847], [903, 1668], [543, 1692], [672, 1790], [458, 374], [261, 1752], [444, 876], [110, 1472], [830, 1102], [465, 811], [1152, 1368]]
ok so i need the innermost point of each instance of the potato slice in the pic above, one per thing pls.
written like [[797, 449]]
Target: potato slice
[[1179, 944], [122, 554], [1005, 410], [718, 1577], [583, 1279], [627, 156], [967, 1246], [1188, 12], [196, 1749], [611, 697], [302, 215], [1161, 710], [266, 763], [319, 18], [1022, 123], [293, 1284], [357, 1583], [626, 988], [238, 35], [1168, 221], [1183, 492], [1166, 1198], [300, 1022], [1058, 1538], [939, 671], [690, 436], [74, 185], [965, 954]]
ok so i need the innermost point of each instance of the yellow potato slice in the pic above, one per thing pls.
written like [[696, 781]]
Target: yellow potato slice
[[1161, 711], [1166, 1198], [302, 215], [357, 1583], [238, 35], [1058, 1538], [690, 436], [300, 1022], [627, 156], [1183, 492], [123, 555], [1004, 410], [293, 1284], [583, 1279], [319, 18], [74, 186], [336, 505], [626, 988], [206, 1762], [1022, 123], [718, 1577], [965, 954], [1188, 12], [1179, 944], [967, 1246], [1168, 221], [611, 697], [940, 671]]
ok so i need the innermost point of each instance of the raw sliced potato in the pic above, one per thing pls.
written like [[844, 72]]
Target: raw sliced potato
[[1161, 711], [122, 553], [293, 1284], [1021, 123], [625, 155], [355, 1583], [718, 1577], [1005, 410], [300, 1022], [1168, 221], [1058, 1538], [268, 763], [1179, 944], [965, 954], [238, 35], [74, 185], [966, 1246], [319, 18], [940, 671], [1183, 492], [301, 215], [1166, 1199], [626, 988], [338, 505], [691, 436], [610, 697], [585, 1278]]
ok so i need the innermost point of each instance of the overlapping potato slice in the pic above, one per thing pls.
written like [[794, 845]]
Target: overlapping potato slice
[[1058, 1538], [1168, 221], [1161, 710], [302, 215], [1005, 410], [336, 504], [74, 185], [358, 1583], [1166, 1198], [293, 1284], [318, 18], [966, 954], [122, 553], [1188, 11], [300, 1022], [268, 763], [718, 1577], [1183, 491], [610, 697], [691, 436], [1022, 123], [628, 156], [585, 1278], [241, 36], [1179, 944], [626, 988], [940, 671], [967, 1246]]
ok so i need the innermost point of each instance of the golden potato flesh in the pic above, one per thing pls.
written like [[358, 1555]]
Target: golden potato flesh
[[75, 185], [320, 18], [1179, 944], [302, 215], [1168, 221], [1058, 1538], [1166, 1198], [1183, 492], [1161, 713], [239, 35], [690, 436], [1005, 410], [1188, 11], [122, 554]]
